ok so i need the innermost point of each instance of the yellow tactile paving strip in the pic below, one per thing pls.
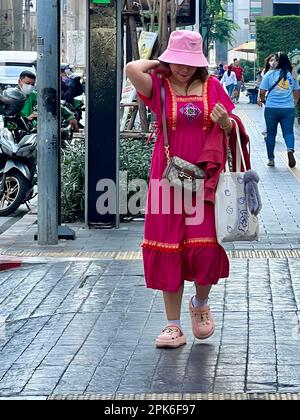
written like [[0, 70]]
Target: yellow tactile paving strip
[[294, 171], [126, 256], [184, 396]]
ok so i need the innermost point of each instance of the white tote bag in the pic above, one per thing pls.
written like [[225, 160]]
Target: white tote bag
[[233, 220]]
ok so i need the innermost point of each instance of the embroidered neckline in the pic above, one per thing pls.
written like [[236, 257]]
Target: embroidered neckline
[[189, 99], [206, 98]]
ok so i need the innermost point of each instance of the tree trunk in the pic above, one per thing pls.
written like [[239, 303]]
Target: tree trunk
[[133, 32], [6, 25], [152, 5], [173, 13], [164, 30], [27, 26], [18, 24]]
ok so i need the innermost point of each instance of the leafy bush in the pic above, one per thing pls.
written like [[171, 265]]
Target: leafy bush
[[248, 67], [135, 157], [73, 182], [276, 33]]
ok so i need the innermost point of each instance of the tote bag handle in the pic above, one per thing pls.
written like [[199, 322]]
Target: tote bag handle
[[239, 151]]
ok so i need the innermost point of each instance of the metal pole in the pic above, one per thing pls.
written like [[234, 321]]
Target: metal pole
[[118, 96], [48, 66]]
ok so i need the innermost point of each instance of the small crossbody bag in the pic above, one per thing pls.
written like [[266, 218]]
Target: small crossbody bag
[[179, 172]]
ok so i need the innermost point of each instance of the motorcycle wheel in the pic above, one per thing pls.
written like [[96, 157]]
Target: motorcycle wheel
[[16, 189]]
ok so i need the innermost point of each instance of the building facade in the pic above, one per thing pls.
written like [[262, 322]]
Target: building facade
[[244, 13], [281, 7], [73, 32]]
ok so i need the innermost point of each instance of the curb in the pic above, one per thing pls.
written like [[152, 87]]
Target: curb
[[9, 264]]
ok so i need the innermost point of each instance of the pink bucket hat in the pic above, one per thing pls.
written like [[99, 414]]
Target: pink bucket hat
[[185, 47]]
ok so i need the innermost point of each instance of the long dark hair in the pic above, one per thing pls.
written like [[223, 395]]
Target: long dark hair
[[267, 64], [229, 70], [284, 64], [200, 74]]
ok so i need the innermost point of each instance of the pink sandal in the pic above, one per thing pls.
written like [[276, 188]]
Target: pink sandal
[[171, 336], [203, 325]]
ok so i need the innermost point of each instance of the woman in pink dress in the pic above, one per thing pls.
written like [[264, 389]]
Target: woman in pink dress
[[199, 127]]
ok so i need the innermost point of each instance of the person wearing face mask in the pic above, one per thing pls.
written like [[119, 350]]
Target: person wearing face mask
[[70, 84], [27, 86], [27, 82]]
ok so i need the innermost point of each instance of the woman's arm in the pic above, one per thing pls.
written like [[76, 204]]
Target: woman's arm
[[296, 94], [234, 78], [261, 97], [138, 73]]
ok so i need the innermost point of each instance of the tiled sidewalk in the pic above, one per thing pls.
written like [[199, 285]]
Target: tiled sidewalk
[[84, 323]]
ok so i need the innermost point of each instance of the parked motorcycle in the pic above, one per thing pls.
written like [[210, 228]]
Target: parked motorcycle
[[18, 153], [77, 106]]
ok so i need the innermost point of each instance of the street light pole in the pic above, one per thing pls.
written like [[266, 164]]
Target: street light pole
[[48, 74]]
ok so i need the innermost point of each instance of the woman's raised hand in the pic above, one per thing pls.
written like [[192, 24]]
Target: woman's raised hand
[[220, 116], [163, 69]]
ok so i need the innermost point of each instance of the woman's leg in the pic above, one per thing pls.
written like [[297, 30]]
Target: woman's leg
[[287, 126], [271, 117], [230, 89], [202, 292], [172, 335], [173, 304], [203, 325]]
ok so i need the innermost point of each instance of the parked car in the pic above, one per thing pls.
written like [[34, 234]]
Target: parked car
[[13, 63]]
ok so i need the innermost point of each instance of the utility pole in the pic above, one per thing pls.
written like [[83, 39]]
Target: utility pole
[[48, 68]]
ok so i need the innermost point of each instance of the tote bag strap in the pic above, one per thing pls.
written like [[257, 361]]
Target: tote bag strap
[[239, 151]]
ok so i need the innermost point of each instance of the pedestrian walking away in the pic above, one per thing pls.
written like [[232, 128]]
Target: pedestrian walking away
[[199, 127], [239, 72], [230, 80], [280, 92], [270, 64], [220, 71]]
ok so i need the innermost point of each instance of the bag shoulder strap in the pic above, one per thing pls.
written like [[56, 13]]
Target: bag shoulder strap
[[276, 83], [163, 112], [164, 121]]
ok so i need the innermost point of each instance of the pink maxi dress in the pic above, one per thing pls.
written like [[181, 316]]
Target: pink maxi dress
[[172, 250]]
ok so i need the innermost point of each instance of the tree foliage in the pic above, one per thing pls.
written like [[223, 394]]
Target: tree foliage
[[277, 33], [218, 26]]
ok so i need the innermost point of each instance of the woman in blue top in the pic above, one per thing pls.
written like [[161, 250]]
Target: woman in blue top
[[280, 92]]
